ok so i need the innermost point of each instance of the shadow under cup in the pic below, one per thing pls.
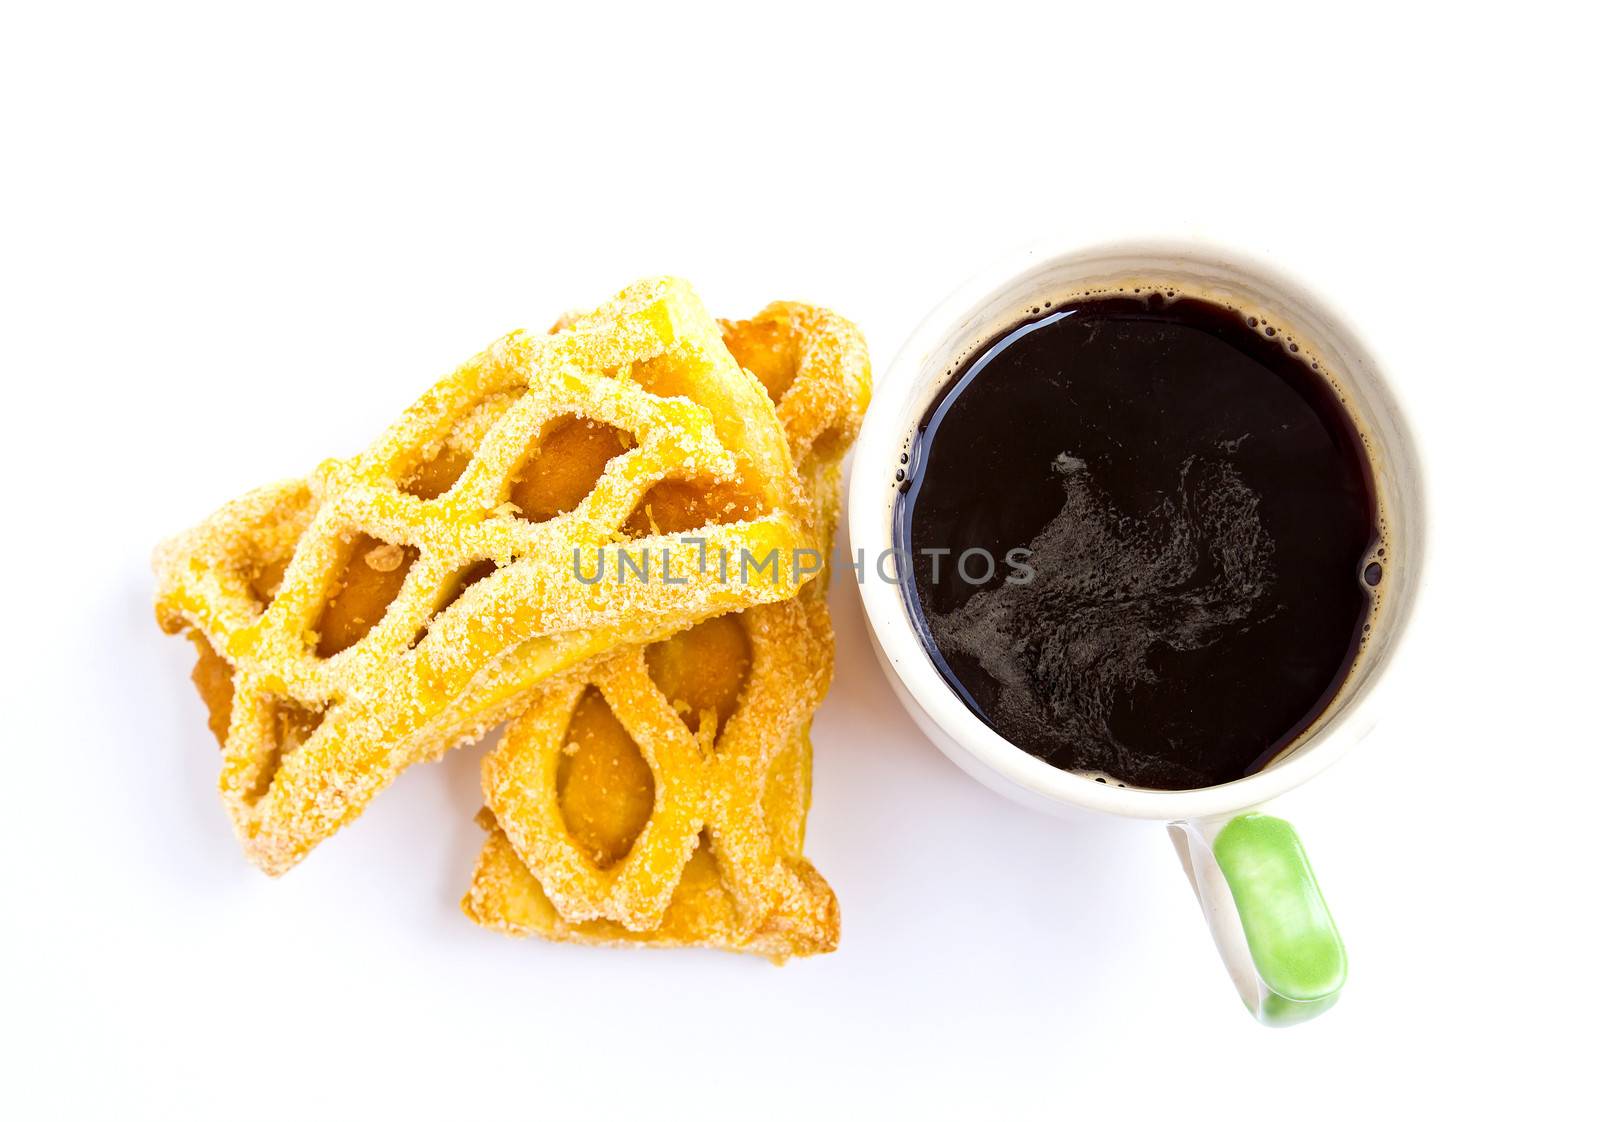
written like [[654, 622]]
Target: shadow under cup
[[994, 304]]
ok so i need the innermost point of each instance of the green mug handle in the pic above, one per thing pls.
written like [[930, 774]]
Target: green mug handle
[[1266, 913]]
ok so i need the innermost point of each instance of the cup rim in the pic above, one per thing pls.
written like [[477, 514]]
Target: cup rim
[[888, 618]]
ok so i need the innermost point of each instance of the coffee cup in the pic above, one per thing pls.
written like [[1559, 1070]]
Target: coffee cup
[[1247, 867]]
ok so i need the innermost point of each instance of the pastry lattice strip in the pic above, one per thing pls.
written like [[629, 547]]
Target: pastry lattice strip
[[313, 734]]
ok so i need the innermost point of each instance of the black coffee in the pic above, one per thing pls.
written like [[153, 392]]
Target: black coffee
[[1198, 511]]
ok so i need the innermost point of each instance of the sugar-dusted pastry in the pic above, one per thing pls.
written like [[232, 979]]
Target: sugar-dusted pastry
[[657, 795], [402, 602]]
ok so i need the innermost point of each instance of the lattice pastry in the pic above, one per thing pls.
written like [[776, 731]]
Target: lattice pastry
[[658, 795], [402, 602]]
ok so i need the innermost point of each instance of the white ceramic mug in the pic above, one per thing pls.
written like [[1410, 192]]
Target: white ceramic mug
[[1248, 869]]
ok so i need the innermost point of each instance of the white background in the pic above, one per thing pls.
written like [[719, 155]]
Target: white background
[[237, 242]]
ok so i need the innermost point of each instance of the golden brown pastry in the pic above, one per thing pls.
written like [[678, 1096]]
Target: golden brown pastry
[[657, 795], [402, 602]]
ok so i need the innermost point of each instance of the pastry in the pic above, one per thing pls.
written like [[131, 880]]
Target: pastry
[[657, 795], [402, 602]]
